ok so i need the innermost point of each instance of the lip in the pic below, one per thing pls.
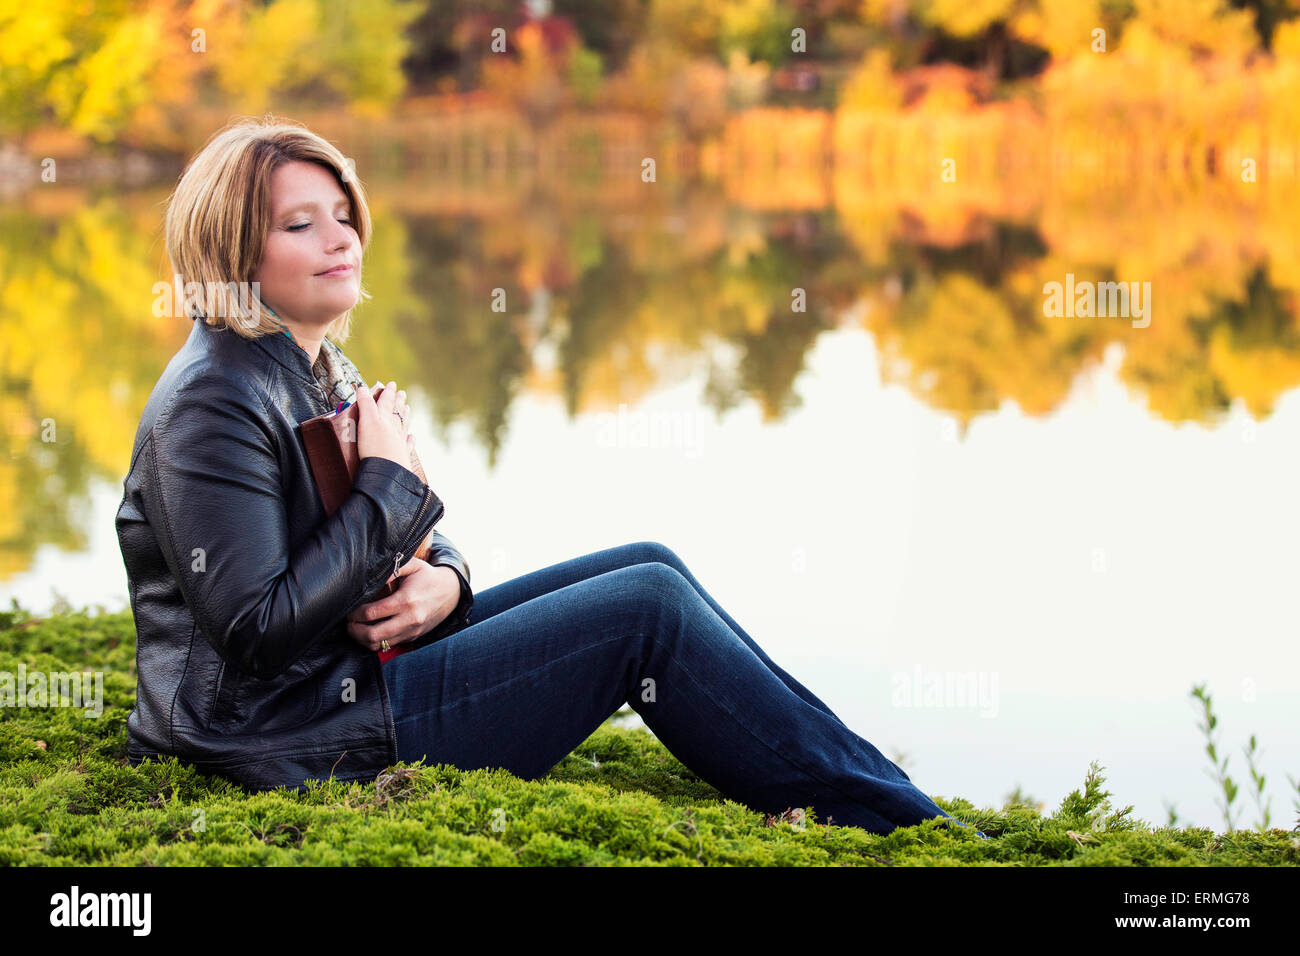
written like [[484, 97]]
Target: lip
[[337, 271]]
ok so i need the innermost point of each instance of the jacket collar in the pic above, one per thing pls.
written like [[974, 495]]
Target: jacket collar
[[279, 346]]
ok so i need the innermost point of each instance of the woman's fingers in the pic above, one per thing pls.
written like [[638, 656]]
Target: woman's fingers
[[380, 431], [365, 404], [404, 411], [393, 401]]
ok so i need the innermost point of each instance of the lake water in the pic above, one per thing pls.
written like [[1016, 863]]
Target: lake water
[[999, 544]]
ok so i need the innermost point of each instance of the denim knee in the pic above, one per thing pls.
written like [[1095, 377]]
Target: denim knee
[[662, 577], [659, 586], [649, 552]]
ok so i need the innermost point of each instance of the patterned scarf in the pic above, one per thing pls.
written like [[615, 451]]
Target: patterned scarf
[[334, 371], [336, 374]]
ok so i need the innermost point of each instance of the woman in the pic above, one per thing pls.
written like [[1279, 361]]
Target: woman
[[258, 658]]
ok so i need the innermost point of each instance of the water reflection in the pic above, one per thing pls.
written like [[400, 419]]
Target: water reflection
[[599, 307]]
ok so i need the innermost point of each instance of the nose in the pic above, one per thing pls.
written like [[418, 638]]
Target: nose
[[340, 237]]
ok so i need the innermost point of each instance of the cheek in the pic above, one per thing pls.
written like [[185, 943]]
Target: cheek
[[283, 263]]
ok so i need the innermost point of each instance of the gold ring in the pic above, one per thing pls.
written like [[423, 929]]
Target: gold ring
[[383, 645]]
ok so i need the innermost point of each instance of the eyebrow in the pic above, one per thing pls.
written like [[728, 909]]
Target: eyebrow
[[310, 205]]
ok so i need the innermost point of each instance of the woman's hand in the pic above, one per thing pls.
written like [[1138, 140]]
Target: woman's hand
[[425, 595], [381, 427]]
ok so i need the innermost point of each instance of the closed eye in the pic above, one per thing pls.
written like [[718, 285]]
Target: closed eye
[[303, 225]]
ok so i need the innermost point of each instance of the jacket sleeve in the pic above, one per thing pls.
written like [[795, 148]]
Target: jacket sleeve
[[444, 553], [214, 500]]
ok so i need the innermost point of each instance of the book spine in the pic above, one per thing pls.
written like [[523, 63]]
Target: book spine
[[328, 467]]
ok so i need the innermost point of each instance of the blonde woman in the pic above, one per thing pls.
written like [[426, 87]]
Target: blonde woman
[[258, 659]]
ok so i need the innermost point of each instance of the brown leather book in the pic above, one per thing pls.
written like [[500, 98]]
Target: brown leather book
[[331, 443]]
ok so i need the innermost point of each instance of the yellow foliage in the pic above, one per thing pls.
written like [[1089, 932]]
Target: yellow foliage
[[872, 86], [33, 37], [1255, 375], [102, 88], [260, 50], [1286, 40], [1062, 27], [965, 18], [967, 351], [1211, 27]]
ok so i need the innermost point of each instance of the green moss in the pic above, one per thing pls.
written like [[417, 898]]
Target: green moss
[[68, 798]]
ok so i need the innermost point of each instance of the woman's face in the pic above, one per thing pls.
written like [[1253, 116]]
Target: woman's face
[[310, 233]]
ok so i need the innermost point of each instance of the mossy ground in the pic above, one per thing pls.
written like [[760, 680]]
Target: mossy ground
[[67, 797]]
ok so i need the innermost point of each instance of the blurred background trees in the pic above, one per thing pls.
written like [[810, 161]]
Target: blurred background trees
[[127, 70]]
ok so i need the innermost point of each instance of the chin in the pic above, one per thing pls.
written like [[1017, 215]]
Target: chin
[[338, 307]]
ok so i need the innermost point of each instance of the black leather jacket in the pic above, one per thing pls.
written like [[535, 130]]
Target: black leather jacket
[[240, 584]]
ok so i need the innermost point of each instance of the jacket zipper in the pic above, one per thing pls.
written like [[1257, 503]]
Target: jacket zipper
[[397, 560]]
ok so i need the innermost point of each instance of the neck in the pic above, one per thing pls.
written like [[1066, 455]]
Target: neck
[[307, 337], [309, 341]]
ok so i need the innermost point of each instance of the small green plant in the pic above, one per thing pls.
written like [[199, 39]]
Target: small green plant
[[1091, 808], [1227, 786], [1257, 794], [1219, 774], [1295, 802]]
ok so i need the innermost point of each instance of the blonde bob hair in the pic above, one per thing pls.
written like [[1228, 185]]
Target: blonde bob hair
[[219, 213]]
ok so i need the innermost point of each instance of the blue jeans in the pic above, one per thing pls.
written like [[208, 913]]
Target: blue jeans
[[549, 655]]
